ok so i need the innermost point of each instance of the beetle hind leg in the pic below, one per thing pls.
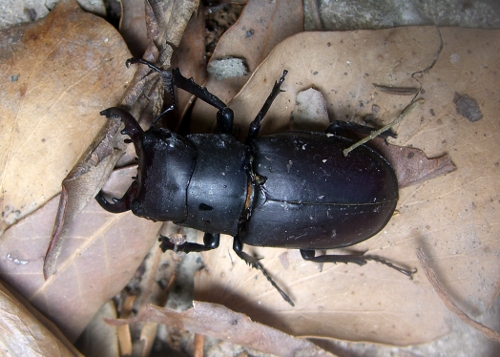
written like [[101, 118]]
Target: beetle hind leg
[[360, 259]]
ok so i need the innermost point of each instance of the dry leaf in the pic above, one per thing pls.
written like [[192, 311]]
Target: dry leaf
[[58, 73], [101, 254], [100, 339], [82, 184], [133, 26], [455, 216], [165, 22], [220, 322], [412, 165], [26, 332], [190, 58], [93, 168]]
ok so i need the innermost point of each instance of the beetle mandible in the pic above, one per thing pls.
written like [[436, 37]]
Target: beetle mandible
[[292, 189]]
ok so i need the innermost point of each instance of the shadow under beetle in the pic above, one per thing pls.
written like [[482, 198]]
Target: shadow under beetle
[[292, 189]]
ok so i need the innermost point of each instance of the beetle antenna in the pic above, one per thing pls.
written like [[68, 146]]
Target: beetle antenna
[[407, 272]]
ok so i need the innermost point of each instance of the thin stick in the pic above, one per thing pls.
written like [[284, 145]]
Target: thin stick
[[376, 133], [431, 276], [406, 91]]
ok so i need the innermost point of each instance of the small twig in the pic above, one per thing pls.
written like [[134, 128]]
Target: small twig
[[397, 90], [431, 276], [376, 133], [401, 91]]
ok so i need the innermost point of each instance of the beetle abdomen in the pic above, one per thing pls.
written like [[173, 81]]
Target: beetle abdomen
[[315, 197]]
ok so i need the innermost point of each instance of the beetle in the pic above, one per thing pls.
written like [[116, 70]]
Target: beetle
[[292, 189]]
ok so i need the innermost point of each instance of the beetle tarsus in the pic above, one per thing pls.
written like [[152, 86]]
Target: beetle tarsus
[[407, 272], [360, 259]]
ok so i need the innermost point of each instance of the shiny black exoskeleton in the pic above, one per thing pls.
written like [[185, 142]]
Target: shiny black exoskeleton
[[291, 189]]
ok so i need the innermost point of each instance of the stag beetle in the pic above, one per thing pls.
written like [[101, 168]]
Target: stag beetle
[[292, 189]]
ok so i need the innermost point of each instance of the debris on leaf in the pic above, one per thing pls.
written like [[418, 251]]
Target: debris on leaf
[[467, 107]]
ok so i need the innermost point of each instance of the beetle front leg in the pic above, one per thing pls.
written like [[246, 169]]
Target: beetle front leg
[[360, 259], [225, 115], [210, 241], [254, 128], [254, 263]]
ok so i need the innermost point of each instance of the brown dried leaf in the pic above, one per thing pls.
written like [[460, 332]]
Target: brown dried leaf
[[190, 58], [220, 322], [133, 26], [166, 21], [26, 332], [58, 74], [101, 253], [412, 165], [455, 214], [82, 184], [261, 26], [98, 338]]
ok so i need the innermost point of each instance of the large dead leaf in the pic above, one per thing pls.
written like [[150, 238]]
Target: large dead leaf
[[453, 217], [26, 332], [57, 74], [100, 255]]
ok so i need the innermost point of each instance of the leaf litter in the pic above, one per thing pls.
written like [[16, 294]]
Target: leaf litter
[[347, 305], [343, 66], [47, 68]]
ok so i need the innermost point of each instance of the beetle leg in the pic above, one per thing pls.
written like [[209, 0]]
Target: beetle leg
[[360, 259], [253, 129], [225, 115], [310, 254], [344, 128], [210, 241], [254, 263]]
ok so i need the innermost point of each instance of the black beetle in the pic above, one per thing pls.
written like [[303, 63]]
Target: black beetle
[[290, 190]]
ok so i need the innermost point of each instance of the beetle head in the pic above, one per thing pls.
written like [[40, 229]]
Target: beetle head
[[166, 162]]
